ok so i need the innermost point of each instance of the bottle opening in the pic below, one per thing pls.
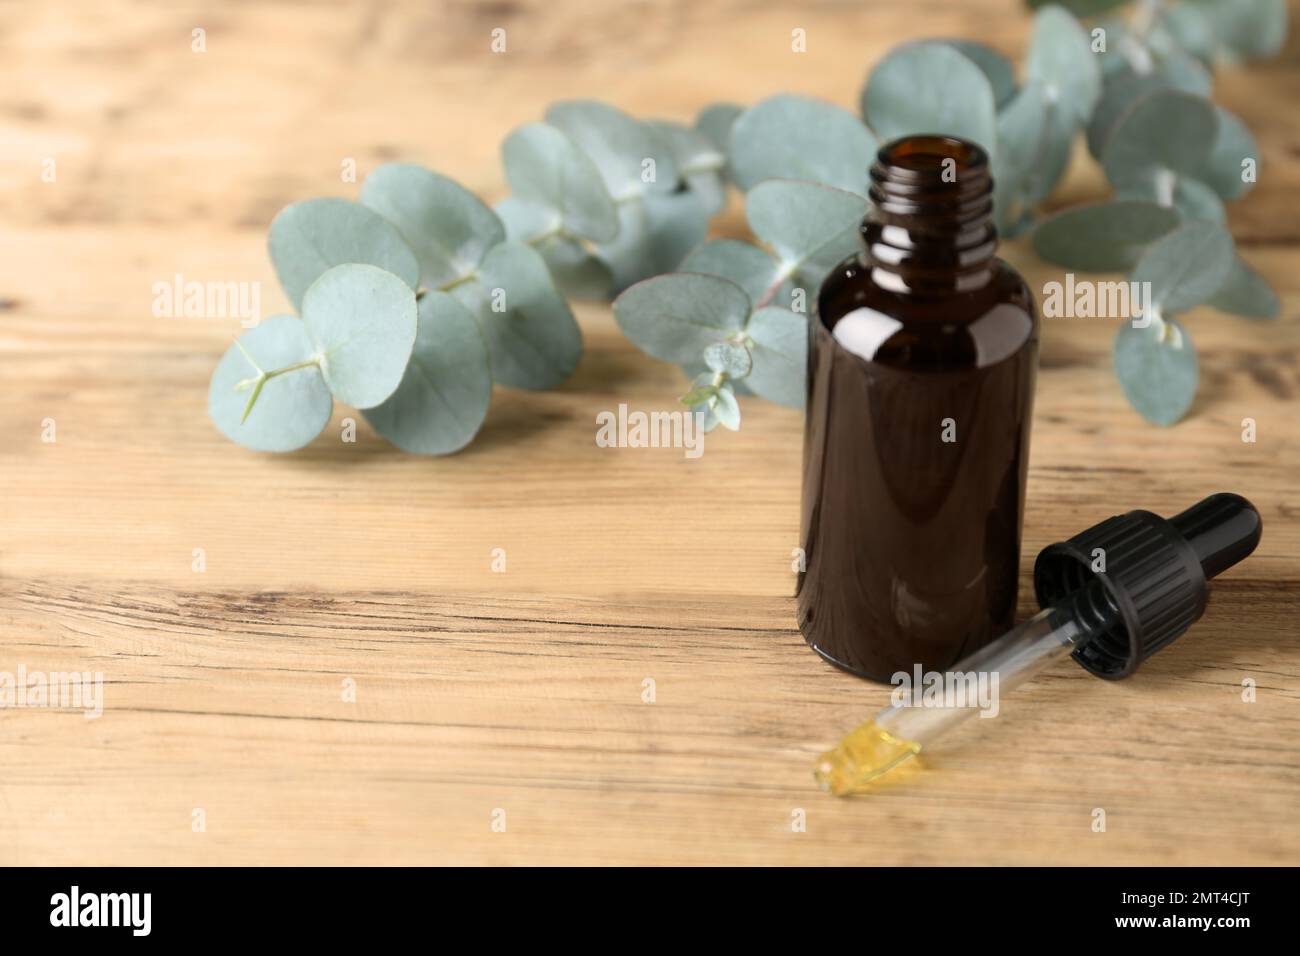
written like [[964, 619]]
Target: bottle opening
[[929, 155], [931, 226]]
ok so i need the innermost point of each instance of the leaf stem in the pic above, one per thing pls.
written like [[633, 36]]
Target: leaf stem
[[258, 382], [459, 280], [783, 274]]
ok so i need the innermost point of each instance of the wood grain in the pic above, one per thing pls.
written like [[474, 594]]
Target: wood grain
[[522, 690]]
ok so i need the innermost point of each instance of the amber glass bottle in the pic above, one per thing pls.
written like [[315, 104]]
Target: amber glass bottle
[[921, 363]]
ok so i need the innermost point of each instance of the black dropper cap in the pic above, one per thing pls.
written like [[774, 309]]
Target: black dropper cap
[[1154, 572]]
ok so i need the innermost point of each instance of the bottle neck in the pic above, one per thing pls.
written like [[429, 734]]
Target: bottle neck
[[931, 230]]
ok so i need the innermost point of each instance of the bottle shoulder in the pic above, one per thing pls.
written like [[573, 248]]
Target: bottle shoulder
[[959, 330]]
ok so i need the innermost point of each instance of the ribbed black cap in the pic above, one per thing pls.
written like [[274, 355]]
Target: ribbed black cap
[[1154, 571]]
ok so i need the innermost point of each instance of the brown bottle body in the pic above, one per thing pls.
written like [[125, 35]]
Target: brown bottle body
[[921, 365]]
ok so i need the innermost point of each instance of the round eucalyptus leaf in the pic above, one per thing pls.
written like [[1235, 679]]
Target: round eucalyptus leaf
[[362, 322], [526, 221], [1246, 29], [447, 227], [698, 371], [545, 167], [1186, 25], [1080, 8], [655, 234], [1186, 267], [675, 317], [730, 358], [1059, 132], [290, 408], [779, 348], [1157, 369], [725, 408], [811, 228], [1124, 87], [1062, 62], [631, 157], [1233, 153], [444, 394], [929, 87], [1103, 237], [577, 273], [700, 164], [307, 238], [751, 268], [1164, 130], [997, 69], [532, 337], [699, 394], [1245, 292], [799, 137], [1194, 201], [1198, 202], [715, 122], [1184, 72], [1022, 132]]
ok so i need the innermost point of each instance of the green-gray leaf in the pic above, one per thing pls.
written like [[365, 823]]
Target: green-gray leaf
[[753, 269], [1164, 131], [811, 228], [545, 167], [1124, 86], [1022, 141], [1186, 267], [1082, 8], [675, 317], [621, 147], [715, 122], [730, 358], [725, 409], [1192, 199], [930, 87], [362, 322], [1245, 292], [1157, 369], [699, 394], [780, 354], [447, 227], [799, 137], [997, 69], [308, 238], [290, 408], [1246, 29], [699, 163], [444, 395], [532, 337], [577, 273], [1062, 62], [527, 221], [1223, 169], [655, 234], [1102, 237]]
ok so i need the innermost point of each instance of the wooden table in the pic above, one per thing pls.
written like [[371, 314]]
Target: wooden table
[[353, 565]]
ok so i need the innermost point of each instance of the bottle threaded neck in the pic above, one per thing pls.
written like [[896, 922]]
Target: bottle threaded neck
[[931, 228]]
